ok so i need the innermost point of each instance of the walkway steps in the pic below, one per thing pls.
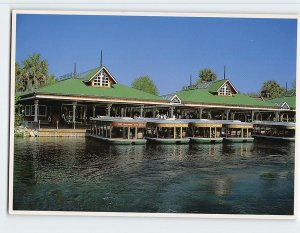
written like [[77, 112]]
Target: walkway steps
[[44, 132]]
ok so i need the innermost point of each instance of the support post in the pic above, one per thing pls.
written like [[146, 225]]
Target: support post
[[106, 129], [171, 109], [36, 107], [209, 115], [136, 132], [174, 133], [153, 113], [74, 113], [180, 132], [94, 110], [200, 113], [252, 116], [227, 114], [232, 115], [276, 116], [130, 110], [141, 110], [128, 133], [108, 109]]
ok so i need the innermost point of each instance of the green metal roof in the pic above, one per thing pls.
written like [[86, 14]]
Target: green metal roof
[[76, 87], [90, 74], [205, 96], [290, 100], [216, 85]]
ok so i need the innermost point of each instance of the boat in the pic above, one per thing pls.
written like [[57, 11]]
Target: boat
[[167, 131], [274, 130], [237, 131], [118, 130], [205, 131]]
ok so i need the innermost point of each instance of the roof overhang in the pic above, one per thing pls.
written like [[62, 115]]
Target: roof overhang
[[244, 107], [99, 99]]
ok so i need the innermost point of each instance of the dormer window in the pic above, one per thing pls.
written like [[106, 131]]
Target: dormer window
[[100, 77], [225, 90], [101, 80]]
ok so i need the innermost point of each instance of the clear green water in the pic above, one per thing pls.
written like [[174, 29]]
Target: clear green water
[[82, 174]]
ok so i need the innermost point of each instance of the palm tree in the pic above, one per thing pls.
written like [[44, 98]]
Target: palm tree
[[32, 74], [206, 75], [36, 71]]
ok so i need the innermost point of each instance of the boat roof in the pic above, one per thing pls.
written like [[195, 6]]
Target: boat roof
[[274, 123], [118, 119], [232, 122], [168, 121]]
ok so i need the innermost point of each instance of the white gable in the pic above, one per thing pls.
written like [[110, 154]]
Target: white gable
[[175, 100]]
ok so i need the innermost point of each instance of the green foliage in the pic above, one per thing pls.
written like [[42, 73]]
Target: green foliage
[[271, 89], [206, 75], [18, 114], [292, 91], [32, 73], [146, 84]]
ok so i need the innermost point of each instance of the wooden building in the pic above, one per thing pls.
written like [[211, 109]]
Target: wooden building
[[72, 102]]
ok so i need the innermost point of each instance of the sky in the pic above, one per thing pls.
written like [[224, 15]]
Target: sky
[[168, 49]]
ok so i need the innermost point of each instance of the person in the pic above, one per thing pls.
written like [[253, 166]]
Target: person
[[63, 117]]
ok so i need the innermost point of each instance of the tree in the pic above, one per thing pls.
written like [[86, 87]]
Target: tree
[[32, 73], [146, 84], [206, 75], [271, 89]]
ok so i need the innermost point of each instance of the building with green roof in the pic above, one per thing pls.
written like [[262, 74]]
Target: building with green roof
[[221, 100], [97, 93]]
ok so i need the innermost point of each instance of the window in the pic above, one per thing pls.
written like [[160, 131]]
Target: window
[[42, 110], [101, 80], [225, 90], [32, 110], [27, 110]]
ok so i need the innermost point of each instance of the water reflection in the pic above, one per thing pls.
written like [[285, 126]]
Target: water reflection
[[86, 175]]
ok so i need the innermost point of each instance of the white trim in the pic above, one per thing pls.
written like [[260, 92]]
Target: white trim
[[175, 96], [159, 215], [123, 13], [147, 13], [79, 98], [230, 84], [285, 103], [231, 107], [106, 70]]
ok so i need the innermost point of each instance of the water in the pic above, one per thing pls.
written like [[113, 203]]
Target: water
[[82, 174]]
